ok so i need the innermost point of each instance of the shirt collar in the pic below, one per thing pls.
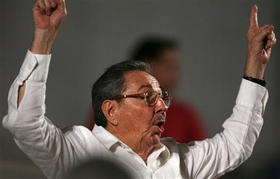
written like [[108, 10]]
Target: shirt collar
[[109, 140], [162, 154], [105, 137]]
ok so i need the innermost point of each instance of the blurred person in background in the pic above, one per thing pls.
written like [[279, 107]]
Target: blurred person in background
[[183, 123], [130, 111]]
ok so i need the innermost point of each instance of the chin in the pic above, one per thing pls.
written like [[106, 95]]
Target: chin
[[155, 140]]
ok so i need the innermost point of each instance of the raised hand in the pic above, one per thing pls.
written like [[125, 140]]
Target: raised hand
[[260, 42], [48, 15]]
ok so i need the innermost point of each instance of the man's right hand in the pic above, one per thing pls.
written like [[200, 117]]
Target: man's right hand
[[48, 16]]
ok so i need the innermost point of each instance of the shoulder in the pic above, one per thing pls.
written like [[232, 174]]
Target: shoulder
[[170, 143], [76, 130], [78, 135], [177, 147]]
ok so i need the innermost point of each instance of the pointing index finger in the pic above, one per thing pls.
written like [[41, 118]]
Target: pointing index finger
[[254, 17]]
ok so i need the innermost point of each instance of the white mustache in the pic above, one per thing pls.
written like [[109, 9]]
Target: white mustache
[[160, 118]]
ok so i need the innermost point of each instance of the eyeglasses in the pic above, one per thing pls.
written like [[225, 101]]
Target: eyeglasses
[[150, 97]]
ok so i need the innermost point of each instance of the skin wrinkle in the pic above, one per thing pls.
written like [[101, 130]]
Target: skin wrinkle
[[135, 119]]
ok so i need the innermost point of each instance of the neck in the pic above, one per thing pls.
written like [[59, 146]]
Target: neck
[[143, 150], [139, 146]]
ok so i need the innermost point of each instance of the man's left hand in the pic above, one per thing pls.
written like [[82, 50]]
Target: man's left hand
[[260, 42]]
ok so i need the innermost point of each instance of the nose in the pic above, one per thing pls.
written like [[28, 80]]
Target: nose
[[160, 106]]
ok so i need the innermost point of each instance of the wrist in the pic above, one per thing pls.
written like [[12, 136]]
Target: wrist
[[255, 69], [42, 41], [258, 74]]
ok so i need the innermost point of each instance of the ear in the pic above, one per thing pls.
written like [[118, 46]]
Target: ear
[[109, 109]]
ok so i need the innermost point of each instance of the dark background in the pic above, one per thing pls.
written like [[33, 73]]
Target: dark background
[[98, 33]]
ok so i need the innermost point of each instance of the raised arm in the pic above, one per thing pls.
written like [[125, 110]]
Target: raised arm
[[213, 157], [48, 15], [33, 132]]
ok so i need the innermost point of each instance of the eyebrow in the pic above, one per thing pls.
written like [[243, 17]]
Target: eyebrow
[[145, 86]]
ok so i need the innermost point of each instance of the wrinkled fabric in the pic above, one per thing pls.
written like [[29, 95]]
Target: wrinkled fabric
[[56, 151]]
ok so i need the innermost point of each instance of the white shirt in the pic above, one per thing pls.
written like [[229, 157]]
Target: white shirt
[[56, 151]]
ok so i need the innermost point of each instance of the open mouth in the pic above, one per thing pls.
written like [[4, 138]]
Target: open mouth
[[159, 124]]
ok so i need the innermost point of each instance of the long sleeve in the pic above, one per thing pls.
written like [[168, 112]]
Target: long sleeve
[[224, 152], [33, 132], [33, 71]]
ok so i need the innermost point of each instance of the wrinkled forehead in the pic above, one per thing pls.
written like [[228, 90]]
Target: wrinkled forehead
[[138, 81]]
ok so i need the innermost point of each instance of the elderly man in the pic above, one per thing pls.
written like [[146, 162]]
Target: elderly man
[[130, 109], [183, 123]]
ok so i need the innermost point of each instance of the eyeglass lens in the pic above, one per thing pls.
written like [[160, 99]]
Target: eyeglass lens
[[153, 97]]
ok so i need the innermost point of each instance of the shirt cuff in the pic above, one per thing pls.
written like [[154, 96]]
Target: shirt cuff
[[35, 67], [252, 95]]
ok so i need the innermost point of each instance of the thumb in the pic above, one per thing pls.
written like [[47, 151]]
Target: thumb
[[265, 31], [254, 17]]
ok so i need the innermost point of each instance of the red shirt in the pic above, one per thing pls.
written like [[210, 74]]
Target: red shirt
[[182, 123]]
